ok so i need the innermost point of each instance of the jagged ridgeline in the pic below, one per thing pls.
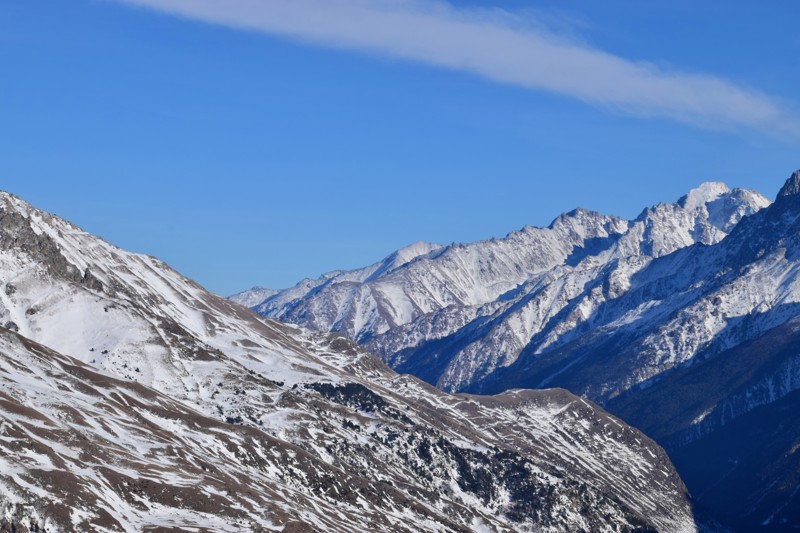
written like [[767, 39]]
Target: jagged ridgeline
[[681, 321], [133, 400], [453, 315]]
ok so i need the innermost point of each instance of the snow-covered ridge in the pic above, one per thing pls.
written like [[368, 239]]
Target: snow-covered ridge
[[495, 298], [131, 386], [370, 301]]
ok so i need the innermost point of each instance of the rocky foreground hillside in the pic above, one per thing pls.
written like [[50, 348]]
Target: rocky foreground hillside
[[133, 400]]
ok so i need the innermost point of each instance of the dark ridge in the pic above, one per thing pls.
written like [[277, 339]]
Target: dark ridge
[[792, 186]]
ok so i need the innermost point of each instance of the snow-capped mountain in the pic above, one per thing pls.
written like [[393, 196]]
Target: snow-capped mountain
[[454, 315], [685, 324], [702, 353], [131, 399]]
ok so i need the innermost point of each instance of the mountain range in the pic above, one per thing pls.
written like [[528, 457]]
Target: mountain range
[[683, 322], [131, 399]]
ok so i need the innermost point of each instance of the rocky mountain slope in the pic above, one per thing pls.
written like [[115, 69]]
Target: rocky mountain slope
[[690, 336], [134, 400]]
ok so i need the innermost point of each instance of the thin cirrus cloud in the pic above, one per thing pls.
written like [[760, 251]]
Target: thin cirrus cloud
[[501, 47]]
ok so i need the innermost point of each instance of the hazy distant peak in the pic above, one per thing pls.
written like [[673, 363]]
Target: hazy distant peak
[[254, 296]]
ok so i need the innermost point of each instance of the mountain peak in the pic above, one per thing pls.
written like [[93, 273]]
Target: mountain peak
[[705, 193], [792, 185], [404, 256], [414, 250], [11, 200]]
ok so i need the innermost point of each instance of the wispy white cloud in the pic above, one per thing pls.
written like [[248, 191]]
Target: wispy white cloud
[[502, 47]]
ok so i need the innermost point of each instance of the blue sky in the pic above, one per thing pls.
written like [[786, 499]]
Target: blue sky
[[261, 141]]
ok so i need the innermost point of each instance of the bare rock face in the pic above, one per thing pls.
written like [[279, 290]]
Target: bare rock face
[[132, 399], [16, 234]]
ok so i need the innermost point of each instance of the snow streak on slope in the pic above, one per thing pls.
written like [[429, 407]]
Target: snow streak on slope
[[315, 421]]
